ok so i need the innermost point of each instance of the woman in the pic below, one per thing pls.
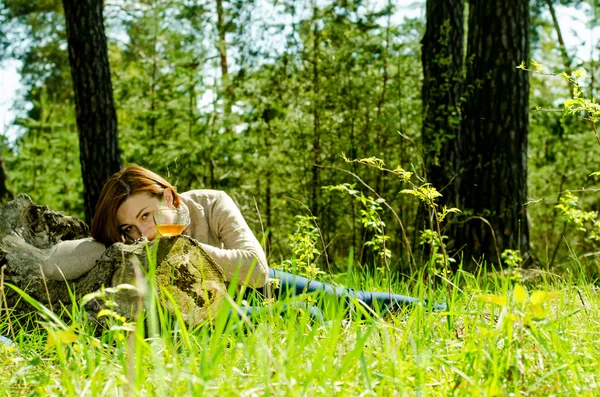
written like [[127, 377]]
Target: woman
[[124, 213]]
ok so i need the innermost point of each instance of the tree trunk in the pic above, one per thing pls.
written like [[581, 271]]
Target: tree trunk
[[493, 141], [222, 47], [563, 48], [5, 193], [268, 191], [95, 110], [442, 59], [316, 144]]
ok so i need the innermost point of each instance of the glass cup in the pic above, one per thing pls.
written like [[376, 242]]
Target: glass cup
[[170, 221]]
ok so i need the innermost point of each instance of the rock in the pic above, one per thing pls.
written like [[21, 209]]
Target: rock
[[182, 268]]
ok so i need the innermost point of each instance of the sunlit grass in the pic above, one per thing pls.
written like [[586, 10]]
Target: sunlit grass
[[477, 347]]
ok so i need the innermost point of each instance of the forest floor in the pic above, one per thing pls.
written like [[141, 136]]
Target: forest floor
[[500, 336]]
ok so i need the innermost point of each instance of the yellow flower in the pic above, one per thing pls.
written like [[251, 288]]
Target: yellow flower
[[65, 336]]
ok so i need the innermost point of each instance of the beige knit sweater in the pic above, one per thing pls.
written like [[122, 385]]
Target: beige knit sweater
[[216, 222]]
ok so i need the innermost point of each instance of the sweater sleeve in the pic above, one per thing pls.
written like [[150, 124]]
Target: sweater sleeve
[[241, 253], [71, 259]]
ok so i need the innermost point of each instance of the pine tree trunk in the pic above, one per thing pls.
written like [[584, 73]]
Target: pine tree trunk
[[95, 110], [493, 141], [442, 59]]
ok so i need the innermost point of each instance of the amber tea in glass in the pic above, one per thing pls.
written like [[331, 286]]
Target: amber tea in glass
[[170, 229], [171, 222]]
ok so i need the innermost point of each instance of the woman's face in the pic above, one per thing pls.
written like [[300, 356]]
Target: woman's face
[[134, 216]]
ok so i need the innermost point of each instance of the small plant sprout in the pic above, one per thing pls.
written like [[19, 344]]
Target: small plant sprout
[[303, 243], [114, 320], [434, 240], [369, 216], [512, 260]]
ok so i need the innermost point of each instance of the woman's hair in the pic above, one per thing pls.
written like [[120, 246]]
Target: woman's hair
[[116, 190]]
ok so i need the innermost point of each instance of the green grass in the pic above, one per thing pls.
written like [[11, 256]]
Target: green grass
[[476, 348]]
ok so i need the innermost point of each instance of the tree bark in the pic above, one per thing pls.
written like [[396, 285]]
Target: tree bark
[[5, 193], [95, 110], [442, 59], [492, 182]]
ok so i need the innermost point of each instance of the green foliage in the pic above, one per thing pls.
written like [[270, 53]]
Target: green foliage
[[44, 163], [340, 78], [427, 194], [571, 139], [588, 108], [583, 221], [561, 157], [343, 77]]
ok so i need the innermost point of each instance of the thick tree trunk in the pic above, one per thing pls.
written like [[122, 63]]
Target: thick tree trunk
[[442, 59], [493, 141], [96, 114]]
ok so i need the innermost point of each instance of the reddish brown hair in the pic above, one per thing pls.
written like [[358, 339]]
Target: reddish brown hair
[[116, 190]]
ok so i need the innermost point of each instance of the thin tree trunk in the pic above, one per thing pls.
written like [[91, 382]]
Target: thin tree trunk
[[222, 47], [382, 128], [316, 131], [563, 48], [592, 46], [268, 194], [153, 104], [192, 101], [95, 109]]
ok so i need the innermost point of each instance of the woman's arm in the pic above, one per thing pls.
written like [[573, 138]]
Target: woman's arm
[[241, 253], [71, 259]]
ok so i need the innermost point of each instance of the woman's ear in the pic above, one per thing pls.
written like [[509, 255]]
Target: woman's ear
[[168, 196]]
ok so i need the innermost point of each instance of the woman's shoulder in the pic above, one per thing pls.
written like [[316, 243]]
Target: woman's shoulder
[[206, 198], [203, 195]]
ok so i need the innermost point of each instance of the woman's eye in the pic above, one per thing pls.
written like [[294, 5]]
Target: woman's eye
[[127, 229], [145, 215]]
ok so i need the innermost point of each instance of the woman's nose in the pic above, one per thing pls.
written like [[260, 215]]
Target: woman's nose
[[149, 231]]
